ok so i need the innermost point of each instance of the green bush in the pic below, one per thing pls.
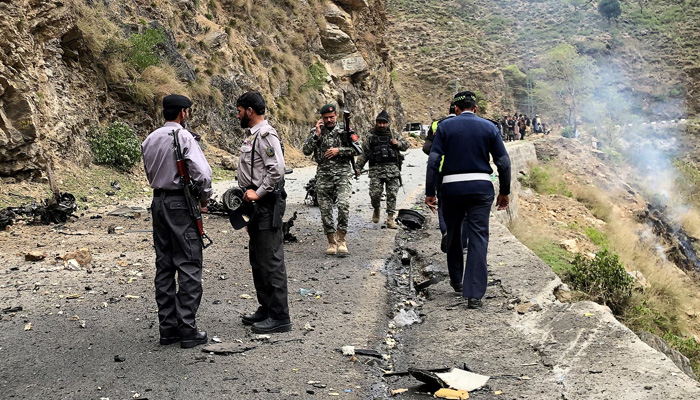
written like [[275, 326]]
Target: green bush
[[688, 347], [604, 279], [317, 76], [568, 132], [598, 238], [539, 180], [115, 145], [141, 53]]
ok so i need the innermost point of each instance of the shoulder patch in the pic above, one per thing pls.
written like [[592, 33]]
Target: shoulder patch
[[270, 151], [264, 134]]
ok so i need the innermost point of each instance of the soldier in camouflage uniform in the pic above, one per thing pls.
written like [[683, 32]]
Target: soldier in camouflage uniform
[[382, 149], [332, 153]]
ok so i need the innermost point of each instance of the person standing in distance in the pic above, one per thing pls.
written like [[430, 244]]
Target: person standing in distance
[[261, 175], [332, 153], [460, 156], [175, 234], [382, 150]]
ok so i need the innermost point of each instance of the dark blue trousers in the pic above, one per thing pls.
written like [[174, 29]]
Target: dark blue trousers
[[472, 209], [443, 226]]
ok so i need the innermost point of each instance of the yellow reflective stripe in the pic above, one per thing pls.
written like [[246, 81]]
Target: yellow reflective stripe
[[442, 161], [434, 127]]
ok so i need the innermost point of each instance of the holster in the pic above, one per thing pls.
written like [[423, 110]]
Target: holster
[[279, 196]]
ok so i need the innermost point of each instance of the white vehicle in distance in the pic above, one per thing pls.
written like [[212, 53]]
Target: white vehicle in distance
[[415, 129]]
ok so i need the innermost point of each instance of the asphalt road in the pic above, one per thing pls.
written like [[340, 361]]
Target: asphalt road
[[46, 352]]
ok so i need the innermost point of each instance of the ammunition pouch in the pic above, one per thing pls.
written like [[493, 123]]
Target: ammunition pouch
[[382, 151]]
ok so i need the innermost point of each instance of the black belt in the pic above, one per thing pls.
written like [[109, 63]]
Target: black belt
[[166, 192]]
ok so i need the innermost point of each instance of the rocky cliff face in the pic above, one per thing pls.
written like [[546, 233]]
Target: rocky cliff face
[[66, 66]]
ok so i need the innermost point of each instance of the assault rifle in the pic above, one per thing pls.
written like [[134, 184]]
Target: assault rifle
[[190, 189], [351, 138]]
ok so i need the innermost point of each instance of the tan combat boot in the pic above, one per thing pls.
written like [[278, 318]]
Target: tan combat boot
[[375, 215], [332, 244], [342, 244], [390, 223]]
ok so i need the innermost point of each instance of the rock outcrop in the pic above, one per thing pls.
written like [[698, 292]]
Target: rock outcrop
[[67, 66]]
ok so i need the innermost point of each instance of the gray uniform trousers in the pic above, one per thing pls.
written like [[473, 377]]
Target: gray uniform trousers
[[178, 249], [266, 254]]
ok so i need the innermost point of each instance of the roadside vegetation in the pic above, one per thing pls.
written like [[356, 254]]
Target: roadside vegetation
[[612, 266]]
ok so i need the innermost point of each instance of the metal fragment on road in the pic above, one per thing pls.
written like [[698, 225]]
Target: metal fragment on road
[[227, 348]]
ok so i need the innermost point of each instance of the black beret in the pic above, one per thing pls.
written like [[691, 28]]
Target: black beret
[[328, 108], [176, 102], [383, 116], [461, 96]]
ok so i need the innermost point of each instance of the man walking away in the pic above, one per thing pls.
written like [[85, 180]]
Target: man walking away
[[176, 236], [460, 154]]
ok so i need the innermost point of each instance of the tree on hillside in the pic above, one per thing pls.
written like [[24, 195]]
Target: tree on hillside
[[609, 9], [571, 77], [578, 4], [641, 4]]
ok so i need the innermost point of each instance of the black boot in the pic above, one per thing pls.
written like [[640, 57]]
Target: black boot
[[196, 340], [272, 325], [258, 316], [474, 303]]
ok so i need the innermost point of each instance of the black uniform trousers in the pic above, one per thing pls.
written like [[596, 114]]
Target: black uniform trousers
[[178, 250], [473, 210], [266, 254]]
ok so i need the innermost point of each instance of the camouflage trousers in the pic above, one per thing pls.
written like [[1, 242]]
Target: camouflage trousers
[[334, 189], [376, 187]]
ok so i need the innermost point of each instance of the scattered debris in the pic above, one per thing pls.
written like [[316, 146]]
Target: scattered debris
[[398, 391], [81, 256], [455, 379], [215, 207], [310, 292], [527, 307], [216, 339], [72, 265], [12, 309], [406, 318], [118, 358], [348, 350], [34, 256], [28, 326], [406, 373], [57, 209], [308, 327], [74, 233], [128, 212], [131, 296], [368, 353], [451, 394], [311, 194], [425, 284], [411, 219], [227, 348], [245, 296], [286, 229]]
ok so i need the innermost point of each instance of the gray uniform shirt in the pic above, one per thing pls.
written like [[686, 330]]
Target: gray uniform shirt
[[159, 160], [268, 161]]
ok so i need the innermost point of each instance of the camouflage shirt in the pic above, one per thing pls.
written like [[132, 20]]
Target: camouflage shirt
[[317, 146], [382, 170]]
